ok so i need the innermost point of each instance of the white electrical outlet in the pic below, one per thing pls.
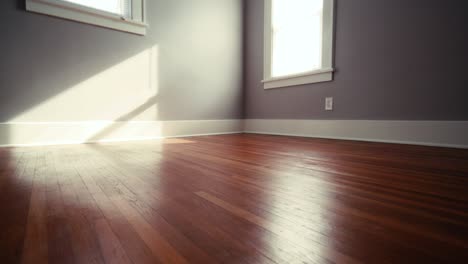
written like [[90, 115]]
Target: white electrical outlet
[[329, 103]]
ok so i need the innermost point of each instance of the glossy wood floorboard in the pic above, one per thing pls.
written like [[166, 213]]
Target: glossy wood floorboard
[[234, 199]]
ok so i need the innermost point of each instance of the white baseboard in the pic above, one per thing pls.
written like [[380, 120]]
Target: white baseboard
[[430, 133], [59, 133]]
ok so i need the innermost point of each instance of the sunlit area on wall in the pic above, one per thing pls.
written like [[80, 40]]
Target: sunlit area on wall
[[102, 104], [293, 20]]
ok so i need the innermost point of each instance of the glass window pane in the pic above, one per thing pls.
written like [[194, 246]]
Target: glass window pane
[[296, 36], [121, 7]]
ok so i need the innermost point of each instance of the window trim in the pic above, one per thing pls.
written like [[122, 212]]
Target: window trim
[[136, 25], [320, 75]]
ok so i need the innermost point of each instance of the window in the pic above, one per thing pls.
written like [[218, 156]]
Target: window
[[298, 42], [123, 15]]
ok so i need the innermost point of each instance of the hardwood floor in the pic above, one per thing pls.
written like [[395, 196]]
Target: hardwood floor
[[234, 199]]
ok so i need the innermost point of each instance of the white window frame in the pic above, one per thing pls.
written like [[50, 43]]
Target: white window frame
[[321, 75], [136, 24]]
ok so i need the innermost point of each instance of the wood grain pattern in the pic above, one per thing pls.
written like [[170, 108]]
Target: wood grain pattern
[[111, 248], [234, 199]]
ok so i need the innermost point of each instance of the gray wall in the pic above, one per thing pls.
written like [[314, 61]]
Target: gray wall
[[395, 59], [199, 65]]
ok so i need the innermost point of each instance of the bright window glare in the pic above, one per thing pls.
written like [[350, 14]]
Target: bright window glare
[[112, 6], [296, 36]]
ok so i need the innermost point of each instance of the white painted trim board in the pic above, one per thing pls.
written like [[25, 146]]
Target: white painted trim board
[[429, 133], [62, 133]]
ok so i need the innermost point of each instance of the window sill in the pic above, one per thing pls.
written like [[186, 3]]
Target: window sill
[[322, 75], [86, 15]]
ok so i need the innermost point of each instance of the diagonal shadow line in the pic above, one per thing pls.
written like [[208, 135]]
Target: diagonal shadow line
[[122, 119]]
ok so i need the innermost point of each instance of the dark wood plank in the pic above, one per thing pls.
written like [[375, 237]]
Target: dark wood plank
[[35, 243], [112, 250], [16, 177]]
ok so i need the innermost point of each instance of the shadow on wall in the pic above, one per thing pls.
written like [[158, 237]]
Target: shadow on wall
[[64, 79]]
